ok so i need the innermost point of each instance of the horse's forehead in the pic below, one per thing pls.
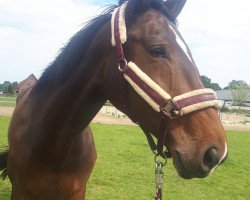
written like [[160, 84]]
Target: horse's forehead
[[152, 23]]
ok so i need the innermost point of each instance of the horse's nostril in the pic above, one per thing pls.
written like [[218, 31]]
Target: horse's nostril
[[211, 158]]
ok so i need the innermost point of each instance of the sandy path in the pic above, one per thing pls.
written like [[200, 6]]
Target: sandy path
[[6, 111], [230, 121], [99, 118]]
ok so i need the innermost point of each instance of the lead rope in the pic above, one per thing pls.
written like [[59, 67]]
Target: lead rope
[[159, 177], [157, 149]]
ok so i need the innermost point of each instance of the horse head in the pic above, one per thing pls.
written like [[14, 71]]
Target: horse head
[[194, 137]]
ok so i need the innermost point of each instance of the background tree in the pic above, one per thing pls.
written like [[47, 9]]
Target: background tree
[[1, 87], [206, 81], [209, 84], [14, 84], [235, 83], [10, 90], [8, 87], [215, 86], [240, 94]]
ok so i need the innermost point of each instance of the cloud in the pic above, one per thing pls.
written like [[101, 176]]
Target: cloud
[[218, 35], [32, 32]]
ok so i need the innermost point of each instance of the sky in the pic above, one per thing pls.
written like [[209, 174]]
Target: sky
[[32, 32]]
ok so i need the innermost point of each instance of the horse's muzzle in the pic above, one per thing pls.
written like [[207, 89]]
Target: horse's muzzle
[[211, 159]]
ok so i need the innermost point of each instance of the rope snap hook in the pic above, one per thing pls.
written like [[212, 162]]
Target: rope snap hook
[[159, 177]]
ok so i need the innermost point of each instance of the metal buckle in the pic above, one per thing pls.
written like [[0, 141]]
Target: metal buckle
[[123, 62], [170, 110], [158, 172], [158, 161], [165, 155]]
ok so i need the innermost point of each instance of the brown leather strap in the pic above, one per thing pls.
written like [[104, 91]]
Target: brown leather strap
[[150, 139], [162, 137], [157, 149]]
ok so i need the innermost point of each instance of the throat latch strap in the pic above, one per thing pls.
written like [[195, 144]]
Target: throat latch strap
[[157, 149]]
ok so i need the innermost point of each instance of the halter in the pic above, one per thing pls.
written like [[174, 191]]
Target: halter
[[151, 92], [154, 95]]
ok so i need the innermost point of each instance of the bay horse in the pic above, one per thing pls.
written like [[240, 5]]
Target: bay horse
[[51, 149]]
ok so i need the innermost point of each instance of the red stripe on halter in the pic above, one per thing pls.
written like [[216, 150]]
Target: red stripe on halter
[[144, 86], [182, 103], [118, 43]]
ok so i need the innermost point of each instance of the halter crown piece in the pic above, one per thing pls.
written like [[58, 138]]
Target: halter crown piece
[[154, 95]]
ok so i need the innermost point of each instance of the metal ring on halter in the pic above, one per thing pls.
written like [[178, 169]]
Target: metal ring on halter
[[157, 161], [123, 62]]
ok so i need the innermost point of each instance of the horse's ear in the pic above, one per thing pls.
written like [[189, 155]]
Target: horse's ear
[[175, 6]]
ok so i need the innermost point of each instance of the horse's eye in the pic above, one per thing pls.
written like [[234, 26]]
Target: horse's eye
[[158, 51]]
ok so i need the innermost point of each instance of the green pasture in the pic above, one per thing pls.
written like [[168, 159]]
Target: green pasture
[[8, 101], [125, 169]]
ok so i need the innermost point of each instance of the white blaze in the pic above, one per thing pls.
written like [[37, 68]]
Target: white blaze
[[181, 44]]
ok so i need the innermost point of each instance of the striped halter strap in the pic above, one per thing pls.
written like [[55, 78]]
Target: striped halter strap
[[150, 91]]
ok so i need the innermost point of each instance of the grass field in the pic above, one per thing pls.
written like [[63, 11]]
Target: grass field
[[125, 169], [8, 101]]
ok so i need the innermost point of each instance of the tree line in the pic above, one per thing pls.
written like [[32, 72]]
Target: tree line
[[8, 88], [232, 85], [239, 89]]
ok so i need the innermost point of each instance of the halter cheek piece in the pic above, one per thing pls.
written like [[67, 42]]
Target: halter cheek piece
[[151, 92]]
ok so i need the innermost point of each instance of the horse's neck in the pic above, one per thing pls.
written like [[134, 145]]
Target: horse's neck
[[53, 116], [71, 106], [64, 111]]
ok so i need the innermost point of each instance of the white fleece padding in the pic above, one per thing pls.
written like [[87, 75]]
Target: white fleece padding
[[199, 106], [165, 95], [112, 27], [139, 91], [121, 24], [194, 93], [144, 77]]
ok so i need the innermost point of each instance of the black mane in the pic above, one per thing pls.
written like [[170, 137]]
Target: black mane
[[72, 54]]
